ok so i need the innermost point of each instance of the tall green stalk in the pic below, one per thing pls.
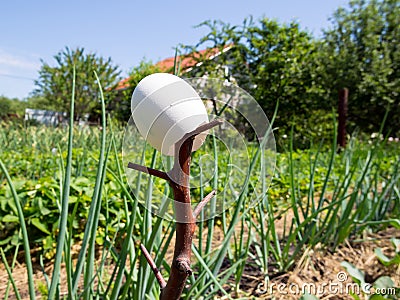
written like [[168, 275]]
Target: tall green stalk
[[97, 194], [25, 236], [93, 214], [11, 278], [54, 285]]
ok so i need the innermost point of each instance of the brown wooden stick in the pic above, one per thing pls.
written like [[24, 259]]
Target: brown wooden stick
[[154, 172], [203, 203], [180, 267], [178, 178], [152, 264]]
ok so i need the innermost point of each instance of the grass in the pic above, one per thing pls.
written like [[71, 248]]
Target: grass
[[70, 183]]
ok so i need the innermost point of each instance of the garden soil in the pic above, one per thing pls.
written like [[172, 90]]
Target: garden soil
[[316, 268]]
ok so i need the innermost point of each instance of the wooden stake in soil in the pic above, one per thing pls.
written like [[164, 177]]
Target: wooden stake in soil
[[178, 178]]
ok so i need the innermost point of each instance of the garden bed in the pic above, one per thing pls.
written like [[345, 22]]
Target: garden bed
[[315, 270]]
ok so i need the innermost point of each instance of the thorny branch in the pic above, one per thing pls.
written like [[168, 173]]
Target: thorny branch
[[203, 203], [153, 266], [178, 178]]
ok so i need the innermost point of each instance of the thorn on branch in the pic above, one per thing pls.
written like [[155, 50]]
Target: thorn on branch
[[154, 172], [203, 203], [184, 267], [156, 271]]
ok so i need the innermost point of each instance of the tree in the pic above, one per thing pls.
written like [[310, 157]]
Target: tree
[[362, 53], [55, 83], [283, 69], [5, 106], [37, 102], [11, 106], [273, 62]]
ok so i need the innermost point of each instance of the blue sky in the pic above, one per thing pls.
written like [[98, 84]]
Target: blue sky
[[126, 31]]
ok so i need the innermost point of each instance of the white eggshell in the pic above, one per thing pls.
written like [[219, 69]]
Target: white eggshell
[[164, 108]]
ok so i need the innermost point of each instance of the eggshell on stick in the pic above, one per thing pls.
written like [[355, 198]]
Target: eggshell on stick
[[164, 108]]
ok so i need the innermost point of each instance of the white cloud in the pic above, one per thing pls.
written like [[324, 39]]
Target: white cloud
[[17, 72], [22, 62]]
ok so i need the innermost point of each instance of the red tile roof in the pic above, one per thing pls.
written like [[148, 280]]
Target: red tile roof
[[187, 62], [122, 84]]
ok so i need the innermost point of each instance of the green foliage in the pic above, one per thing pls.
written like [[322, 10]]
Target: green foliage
[[5, 106], [324, 188], [308, 297], [384, 284], [282, 70], [272, 62], [55, 82], [386, 261], [361, 52], [11, 106], [280, 62], [35, 156], [324, 197], [38, 102]]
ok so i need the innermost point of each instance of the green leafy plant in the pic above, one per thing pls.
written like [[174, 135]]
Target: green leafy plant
[[384, 284], [386, 261]]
